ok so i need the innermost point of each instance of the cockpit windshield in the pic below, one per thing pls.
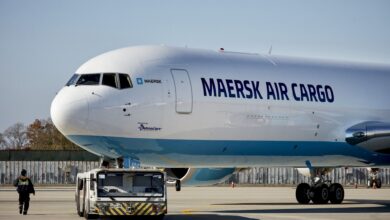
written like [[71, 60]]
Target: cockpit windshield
[[89, 79], [114, 80], [72, 80], [119, 184], [125, 81]]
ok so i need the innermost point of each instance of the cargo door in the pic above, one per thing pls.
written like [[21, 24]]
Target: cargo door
[[183, 91]]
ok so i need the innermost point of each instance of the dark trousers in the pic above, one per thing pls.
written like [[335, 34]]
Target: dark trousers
[[24, 202]]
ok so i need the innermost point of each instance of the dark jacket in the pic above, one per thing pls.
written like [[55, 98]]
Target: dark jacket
[[24, 185]]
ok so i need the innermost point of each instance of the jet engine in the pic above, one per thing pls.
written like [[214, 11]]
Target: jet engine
[[372, 135]]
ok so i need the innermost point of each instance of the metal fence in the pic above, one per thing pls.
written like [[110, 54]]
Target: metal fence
[[65, 172], [45, 172], [291, 176]]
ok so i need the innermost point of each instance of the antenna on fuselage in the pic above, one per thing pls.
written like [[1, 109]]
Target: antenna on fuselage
[[270, 50]]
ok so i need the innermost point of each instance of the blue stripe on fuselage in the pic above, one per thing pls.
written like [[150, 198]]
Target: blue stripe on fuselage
[[220, 148]]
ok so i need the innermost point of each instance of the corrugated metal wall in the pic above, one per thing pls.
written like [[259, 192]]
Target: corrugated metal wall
[[45, 172], [291, 176], [64, 172]]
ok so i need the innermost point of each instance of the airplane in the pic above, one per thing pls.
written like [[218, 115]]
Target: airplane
[[203, 114]]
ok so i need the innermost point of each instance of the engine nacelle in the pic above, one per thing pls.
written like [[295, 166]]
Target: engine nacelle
[[372, 135], [199, 176]]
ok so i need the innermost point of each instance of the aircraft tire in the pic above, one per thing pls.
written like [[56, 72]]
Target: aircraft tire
[[336, 193], [302, 193], [320, 194]]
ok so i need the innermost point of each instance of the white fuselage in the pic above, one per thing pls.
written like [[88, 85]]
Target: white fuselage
[[196, 108]]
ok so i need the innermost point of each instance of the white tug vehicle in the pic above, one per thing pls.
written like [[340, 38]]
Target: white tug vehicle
[[121, 192]]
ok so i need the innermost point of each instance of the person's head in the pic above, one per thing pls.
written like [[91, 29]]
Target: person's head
[[24, 172]]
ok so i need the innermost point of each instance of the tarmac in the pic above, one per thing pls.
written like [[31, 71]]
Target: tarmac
[[214, 203]]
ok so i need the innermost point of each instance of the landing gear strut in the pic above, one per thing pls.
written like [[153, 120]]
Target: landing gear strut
[[111, 163], [320, 191], [178, 185]]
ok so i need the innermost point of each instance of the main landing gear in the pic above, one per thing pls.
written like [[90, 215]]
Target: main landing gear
[[320, 191]]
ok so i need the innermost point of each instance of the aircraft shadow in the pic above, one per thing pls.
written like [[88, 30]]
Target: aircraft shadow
[[346, 207], [190, 217]]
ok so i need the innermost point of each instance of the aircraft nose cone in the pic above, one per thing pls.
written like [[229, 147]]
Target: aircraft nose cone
[[69, 114]]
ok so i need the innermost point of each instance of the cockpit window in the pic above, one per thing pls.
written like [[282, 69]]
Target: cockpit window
[[89, 79], [109, 79], [72, 80], [125, 81], [115, 80]]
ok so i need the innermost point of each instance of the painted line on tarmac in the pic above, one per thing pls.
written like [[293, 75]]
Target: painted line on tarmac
[[187, 211]]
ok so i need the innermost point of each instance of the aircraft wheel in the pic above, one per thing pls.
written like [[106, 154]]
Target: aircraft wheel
[[302, 193], [320, 194], [336, 193]]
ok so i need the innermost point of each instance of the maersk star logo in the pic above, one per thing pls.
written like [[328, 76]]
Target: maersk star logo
[[140, 81]]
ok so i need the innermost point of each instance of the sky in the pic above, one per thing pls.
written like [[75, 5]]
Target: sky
[[43, 42]]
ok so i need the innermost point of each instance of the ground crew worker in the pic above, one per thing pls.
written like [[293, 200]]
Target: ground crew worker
[[24, 188]]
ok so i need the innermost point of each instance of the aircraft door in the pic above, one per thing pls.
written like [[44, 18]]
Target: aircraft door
[[183, 91]]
